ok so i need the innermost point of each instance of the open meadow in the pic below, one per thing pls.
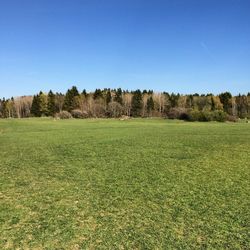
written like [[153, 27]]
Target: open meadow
[[134, 184]]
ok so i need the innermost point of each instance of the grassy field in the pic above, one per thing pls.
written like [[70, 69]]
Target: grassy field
[[136, 184]]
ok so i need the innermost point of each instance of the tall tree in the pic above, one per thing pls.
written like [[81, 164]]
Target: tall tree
[[173, 98], [118, 96], [51, 103], [150, 105], [84, 92], [225, 100], [35, 106], [43, 104], [70, 101], [136, 105], [97, 94], [108, 97]]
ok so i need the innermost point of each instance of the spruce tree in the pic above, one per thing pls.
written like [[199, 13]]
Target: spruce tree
[[174, 100], [225, 99], [150, 104], [84, 92], [51, 103], [118, 96], [108, 97], [70, 101], [97, 94], [74, 91], [136, 103], [4, 108], [35, 107]]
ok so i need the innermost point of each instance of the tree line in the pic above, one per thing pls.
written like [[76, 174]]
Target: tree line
[[115, 103]]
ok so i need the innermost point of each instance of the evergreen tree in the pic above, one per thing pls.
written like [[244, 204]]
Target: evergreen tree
[[118, 96], [136, 103], [97, 94], [225, 99], [35, 106], [51, 103], [84, 92], [173, 98], [150, 105], [4, 108], [74, 91], [1, 107], [70, 101], [108, 97]]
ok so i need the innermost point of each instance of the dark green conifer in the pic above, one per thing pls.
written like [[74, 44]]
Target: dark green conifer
[[35, 107], [70, 101], [136, 103], [118, 96], [150, 105], [51, 103]]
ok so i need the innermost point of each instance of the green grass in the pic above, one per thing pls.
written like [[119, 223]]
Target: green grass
[[136, 184]]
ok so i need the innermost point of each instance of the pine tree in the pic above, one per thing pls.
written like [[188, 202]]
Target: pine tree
[[150, 105], [118, 96], [51, 103], [4, 108], [225, 99], [136, 103], [174, 100], [97, 94], [35, 107], [70, 101], [108, 97], [74, 91], [84, 92]]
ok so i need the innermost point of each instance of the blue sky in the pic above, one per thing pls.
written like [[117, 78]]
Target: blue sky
[[180, 46]]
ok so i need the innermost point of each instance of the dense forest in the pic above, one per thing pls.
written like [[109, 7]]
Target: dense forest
[[122, 103]]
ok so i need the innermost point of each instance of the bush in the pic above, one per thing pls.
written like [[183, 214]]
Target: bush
[[206, 116], [77, 113], [184, 116], [115, 109], [63, 115], [219, 116], [195, 115], [178, 113]]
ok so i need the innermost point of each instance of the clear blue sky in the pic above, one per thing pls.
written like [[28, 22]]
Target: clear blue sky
[[182, 46]]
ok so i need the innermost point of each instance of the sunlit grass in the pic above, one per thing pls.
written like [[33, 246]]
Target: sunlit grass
[[136, 184]]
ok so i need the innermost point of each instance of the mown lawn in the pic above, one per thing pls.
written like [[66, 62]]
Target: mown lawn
[[136, 184]]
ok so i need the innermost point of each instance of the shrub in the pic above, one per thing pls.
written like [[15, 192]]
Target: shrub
[[178, 113], [207, 116], [219, 116], [195, 115], [115, 109], [63, 115], [184, 116], [77, 113]]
